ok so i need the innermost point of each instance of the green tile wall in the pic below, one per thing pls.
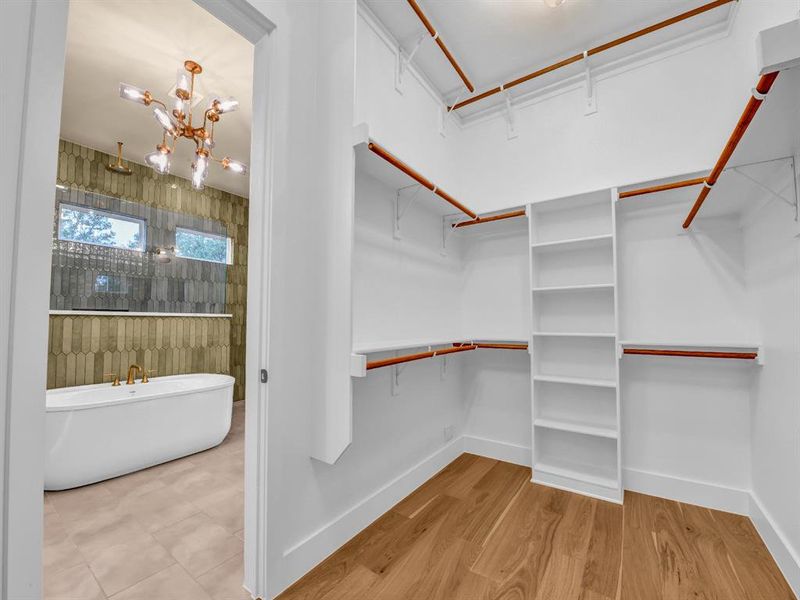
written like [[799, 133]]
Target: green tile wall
[[81, 349], [193, 344]]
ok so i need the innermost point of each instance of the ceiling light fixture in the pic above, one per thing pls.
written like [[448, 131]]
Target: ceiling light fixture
[[553, 3], [178, 123], [118, 167]]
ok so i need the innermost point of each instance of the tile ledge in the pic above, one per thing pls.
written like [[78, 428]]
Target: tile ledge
[[122, 313]]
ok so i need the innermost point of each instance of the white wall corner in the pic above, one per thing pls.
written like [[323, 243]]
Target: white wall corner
[[701, 493], [786, 557], [513, 453]]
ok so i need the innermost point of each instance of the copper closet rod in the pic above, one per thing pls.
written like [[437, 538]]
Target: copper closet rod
[[437, 38], [662, 188], [457, 347], [496, 346], [489, 219], [396, 360], [399, 164], [596, 50], [692, 353], [424, 181], [762, 88]]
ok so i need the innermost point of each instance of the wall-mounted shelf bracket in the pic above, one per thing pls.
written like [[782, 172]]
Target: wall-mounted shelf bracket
[[404, 60], [401, 208], [445, 116], [591, 95], [396, 370], [444, 368], [447, 231], [766, 188], [510, 115]]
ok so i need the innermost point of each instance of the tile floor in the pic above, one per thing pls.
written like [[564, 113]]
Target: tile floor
[[171, 532]]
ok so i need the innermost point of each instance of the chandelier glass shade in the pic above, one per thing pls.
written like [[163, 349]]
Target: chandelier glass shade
[[180, 122]]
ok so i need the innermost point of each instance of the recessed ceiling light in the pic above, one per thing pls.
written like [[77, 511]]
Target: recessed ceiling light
[[553, 3]]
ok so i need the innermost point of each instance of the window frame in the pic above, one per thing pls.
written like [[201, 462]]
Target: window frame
[[228, 245], [108, 213]]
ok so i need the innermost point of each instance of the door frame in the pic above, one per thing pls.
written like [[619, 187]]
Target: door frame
[[24, 414]]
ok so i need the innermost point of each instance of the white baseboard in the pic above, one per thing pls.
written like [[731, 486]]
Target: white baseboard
[[687, 490], [785, 556], [518, 455], [313, 549]]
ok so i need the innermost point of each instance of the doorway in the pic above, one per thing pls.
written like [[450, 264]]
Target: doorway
[[23, 511]]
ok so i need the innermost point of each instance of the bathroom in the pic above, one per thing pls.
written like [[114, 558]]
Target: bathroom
[[144, 456]]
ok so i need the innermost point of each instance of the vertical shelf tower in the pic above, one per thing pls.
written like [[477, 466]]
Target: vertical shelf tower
[[574, 365]]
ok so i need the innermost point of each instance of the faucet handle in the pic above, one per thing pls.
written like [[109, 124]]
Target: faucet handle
[[115, 376], [145, 374]]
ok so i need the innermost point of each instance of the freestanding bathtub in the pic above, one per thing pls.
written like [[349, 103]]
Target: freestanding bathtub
[[95, 432]]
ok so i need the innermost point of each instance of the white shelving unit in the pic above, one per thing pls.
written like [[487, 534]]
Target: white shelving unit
[[574, 366]]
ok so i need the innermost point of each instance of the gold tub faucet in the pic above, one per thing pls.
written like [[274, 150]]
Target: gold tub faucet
[[133, 368]]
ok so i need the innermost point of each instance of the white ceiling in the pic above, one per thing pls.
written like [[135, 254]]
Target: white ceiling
[[144, 43], [497, 40]]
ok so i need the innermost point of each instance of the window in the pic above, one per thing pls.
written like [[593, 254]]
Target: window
[[203, 246], [101, 228]]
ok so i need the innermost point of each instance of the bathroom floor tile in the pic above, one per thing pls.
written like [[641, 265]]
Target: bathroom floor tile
[[154, 533], [55, 529], [134, 484], [120, 566], [197, 483], [229, 465], [159, 508], [76, 583], [78, 503], [225, 508], [199, 544], [225, 581], [173, 583], [103, 531]]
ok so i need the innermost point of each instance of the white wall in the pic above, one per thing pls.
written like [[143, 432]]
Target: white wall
[[406, 123], [402, 289], [495, 288], [684, 419], [495, 301], [773, 277], [646, 127]]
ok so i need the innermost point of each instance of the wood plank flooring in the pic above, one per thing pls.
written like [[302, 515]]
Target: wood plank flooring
[[479, 530]]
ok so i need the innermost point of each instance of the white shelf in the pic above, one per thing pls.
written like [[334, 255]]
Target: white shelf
[[604, 383], [571, 288], [684, 344], [389, 346], [581, 242], [579, 334], [576, 427], [604, 477], [392, 345]]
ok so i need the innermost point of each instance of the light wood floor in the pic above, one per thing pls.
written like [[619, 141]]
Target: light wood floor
[[479, 530]]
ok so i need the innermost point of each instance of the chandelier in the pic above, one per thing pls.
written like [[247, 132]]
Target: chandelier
[[179, 123]]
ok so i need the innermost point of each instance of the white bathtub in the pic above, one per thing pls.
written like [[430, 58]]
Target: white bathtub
[[95, 432]]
